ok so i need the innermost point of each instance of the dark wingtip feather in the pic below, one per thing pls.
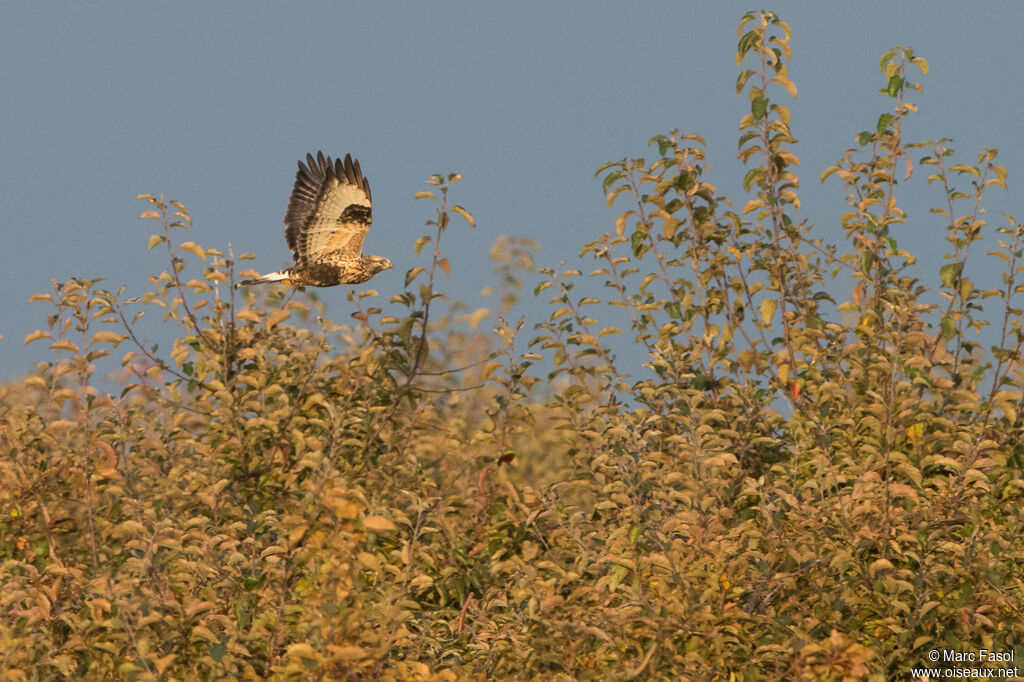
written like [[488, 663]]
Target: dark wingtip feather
[[354, 174]]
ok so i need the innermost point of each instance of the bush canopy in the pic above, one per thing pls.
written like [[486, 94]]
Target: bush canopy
[[795, 488]]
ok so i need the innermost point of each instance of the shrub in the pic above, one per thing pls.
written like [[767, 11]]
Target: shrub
[[795, 489]]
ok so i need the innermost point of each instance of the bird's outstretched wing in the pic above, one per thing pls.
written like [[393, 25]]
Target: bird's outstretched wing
[[329, 211]]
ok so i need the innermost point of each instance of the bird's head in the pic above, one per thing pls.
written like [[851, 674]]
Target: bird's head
[[378, 263]]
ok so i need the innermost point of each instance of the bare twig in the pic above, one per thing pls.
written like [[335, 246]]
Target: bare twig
[[462, 614]]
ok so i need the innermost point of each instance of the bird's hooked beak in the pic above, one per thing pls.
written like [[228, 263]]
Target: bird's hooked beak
[[387, 264]]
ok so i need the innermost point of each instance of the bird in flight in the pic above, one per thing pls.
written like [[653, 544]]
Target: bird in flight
[[328, 217]]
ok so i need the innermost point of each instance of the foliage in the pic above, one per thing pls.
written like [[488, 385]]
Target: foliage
[[797, 489]]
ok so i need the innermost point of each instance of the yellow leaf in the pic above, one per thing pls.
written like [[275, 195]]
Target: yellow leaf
[[198, 607], [767, 308], [155, 239], [64, 344], [348, 653], [194, 249], [162, 663], [273, 550], [478, 315], [205, 633], [277, 317], [36, 335], [445, 265], [368, 560], [346, 510], [878, 566], [151, 214], [858, 293], [301, 650], [786, 83], [108, 337], [465, 214], [789, 157], [248, 315], [614, 194], [40, 297], [751, 205], [488, 369], [620, 222], [424, 194], [379, 524], [62, 394]]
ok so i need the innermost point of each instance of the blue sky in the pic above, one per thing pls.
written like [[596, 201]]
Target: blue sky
[[212, 104]]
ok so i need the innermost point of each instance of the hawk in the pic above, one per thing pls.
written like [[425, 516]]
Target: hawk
[[328, 217]]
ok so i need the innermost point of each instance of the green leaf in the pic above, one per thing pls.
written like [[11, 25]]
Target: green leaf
[[948, 328], [883, 122], [741, 82], [864, 138], [610, 179], [639, 243], [895, 85], [685, 181], [867, 260], [759, 107], [751, 177], [747, 41], [949, 273], [747, 137], [672, 308], [885, 59], [251, 584]]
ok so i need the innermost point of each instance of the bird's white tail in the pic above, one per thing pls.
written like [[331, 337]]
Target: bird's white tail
[[263, 279]]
